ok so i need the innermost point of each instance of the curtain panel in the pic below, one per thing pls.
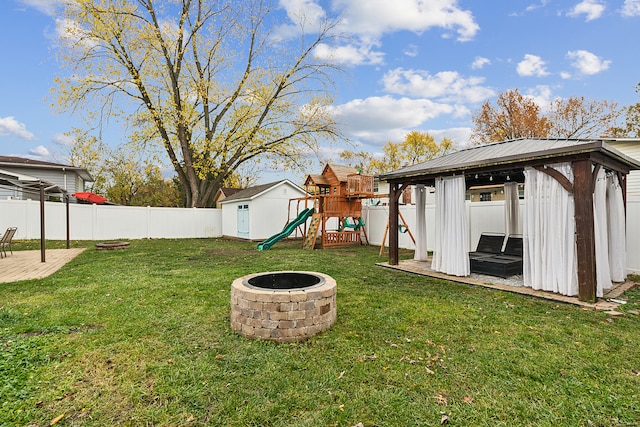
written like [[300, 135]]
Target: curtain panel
[[511, 208], [421, 224], [616, 229], [451, 252], [549, 260]]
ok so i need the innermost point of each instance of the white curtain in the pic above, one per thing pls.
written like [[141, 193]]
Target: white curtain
[[451, 252], [616, 230], [603, 275], [549, 261], [421, 225], [511, 208]]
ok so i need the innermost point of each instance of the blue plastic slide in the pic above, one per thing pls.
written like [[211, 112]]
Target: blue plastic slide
[[287, 230]]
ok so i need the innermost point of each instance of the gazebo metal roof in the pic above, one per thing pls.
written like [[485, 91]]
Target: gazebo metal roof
[[511, 154]]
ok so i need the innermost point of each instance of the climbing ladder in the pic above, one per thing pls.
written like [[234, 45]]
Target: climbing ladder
[[312, 232]]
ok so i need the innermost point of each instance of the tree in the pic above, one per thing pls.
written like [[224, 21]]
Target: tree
[[514, 116], [89, 152], [208, 80], [417, 147], [517, 116], [631, 127], [577, 117]]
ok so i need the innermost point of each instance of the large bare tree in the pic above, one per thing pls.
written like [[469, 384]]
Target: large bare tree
[[518, 116], [217, 83]]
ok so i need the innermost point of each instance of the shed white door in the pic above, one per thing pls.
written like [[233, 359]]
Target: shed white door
[[243, 221]]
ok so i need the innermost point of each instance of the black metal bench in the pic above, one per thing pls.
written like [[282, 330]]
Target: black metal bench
[[508, 263]]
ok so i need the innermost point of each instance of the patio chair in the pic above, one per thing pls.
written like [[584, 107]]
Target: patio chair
[[508, 263], [489, 244], [7, 238]]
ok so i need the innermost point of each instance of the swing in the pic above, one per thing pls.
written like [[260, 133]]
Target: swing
[[357, 226]]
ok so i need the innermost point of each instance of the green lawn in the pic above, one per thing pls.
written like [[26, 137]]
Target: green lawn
[[141, 337]]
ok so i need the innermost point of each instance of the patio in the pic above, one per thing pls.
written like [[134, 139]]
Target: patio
[[514, 284], [26, 265]]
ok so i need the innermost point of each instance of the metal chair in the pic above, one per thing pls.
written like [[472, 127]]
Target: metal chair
[[7, 237]]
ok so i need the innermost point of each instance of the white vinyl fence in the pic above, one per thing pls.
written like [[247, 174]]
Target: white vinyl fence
[[485, 217], [95, 222], [99, 222]]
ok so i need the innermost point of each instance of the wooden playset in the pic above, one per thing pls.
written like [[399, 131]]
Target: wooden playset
[[337, 195]]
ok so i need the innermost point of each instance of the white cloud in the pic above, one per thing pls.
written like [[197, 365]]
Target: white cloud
[[479, 62], [377, 120], [411, 51], [349, 55], [532, 65], [460, 136], [592, 9], [541, 95], [366, 22], [9, 126], [63, 139], [44, 6], [631, 8], [377, 17], [306, 13], [535, 6], [40, 151], [587, 63], [450, 86]]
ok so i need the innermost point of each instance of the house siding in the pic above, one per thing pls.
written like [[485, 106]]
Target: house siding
[[630, 149], [68, 180]]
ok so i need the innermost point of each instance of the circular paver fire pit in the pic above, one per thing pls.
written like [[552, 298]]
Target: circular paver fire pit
[[111, 246], [283, 306]]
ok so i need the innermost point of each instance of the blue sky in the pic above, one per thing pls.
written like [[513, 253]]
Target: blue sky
[[411, 65]]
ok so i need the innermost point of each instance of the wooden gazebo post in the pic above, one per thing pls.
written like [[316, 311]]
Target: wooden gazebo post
[[393, 223], [395, 189], [585, 234]]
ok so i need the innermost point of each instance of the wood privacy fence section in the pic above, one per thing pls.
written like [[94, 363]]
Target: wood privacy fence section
[[97, 222]]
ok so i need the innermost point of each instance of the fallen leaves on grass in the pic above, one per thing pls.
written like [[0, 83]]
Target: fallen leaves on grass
[[56, 420], [441, 400]]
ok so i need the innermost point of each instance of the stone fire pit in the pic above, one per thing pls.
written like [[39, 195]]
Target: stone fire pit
[[283, 306]]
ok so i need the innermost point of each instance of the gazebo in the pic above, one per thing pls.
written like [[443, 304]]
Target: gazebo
[[574, 190]]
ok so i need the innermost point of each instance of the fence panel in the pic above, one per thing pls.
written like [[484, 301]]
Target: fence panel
[[96, 222]]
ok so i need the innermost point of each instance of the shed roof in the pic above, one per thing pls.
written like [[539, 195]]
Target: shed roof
[[517, 152], [253, 192]]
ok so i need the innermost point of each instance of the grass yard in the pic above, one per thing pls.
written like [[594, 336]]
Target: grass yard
[[141, 337]]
